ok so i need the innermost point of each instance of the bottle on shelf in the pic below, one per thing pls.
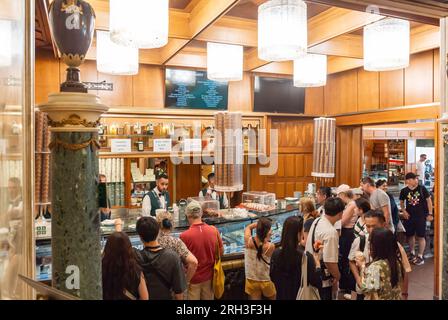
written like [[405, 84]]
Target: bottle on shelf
[[140, 146]]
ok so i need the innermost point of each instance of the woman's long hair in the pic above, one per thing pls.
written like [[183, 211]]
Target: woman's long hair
[[363, 205], [308, 208], [263, 228], [383, 246], [119, 266], [290, 241]]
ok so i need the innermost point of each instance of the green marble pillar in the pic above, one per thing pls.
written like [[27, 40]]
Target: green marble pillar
[[76, 246], [75, 220]]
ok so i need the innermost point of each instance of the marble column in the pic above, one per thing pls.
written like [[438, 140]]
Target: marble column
[[75, 225]]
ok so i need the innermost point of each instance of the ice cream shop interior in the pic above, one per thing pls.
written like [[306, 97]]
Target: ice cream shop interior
[[195, 136]]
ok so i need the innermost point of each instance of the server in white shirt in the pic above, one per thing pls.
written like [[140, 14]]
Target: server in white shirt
[[421, 169], [157, 198], [211, 192]]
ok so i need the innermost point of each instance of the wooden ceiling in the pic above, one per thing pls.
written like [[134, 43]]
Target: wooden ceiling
[[334, 31]]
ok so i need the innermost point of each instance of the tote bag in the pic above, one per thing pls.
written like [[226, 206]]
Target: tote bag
[[218, 273], [306, 292]]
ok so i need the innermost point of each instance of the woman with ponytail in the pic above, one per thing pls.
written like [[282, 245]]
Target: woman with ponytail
[[166, 240], [257, 258]]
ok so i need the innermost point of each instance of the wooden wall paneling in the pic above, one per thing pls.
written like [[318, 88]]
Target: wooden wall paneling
[[256, 180], [46, 74], [368, 90], [240, 94], [436, 75], [349, 155], [308, 164], [290, 188], [148, 87], [300, 165], [314, 101], [188, 180], [419, 79], [122, 93], [281, 165], [280, 189], [289, 165], [270, 187], [341, 93], [391, 89]]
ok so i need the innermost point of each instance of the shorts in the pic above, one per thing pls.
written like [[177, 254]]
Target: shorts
[[260, 288], [415, 225]]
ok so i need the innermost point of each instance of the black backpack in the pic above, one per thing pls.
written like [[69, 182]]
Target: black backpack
[[362, 242]]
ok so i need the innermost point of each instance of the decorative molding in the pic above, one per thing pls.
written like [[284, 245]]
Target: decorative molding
[[73, 120]]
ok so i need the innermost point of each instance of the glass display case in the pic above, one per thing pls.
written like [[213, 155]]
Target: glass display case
[[232, 233], [258, 201]]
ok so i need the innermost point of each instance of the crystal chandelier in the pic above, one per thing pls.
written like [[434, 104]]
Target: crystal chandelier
[[310, 71], [114, 59], [139, 23], [282, 30], [386, 45], [224, 62], [6, 48], [324, 153]]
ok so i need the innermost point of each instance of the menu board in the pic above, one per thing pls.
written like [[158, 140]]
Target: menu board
[[191, 89]]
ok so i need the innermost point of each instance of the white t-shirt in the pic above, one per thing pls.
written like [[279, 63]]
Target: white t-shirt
[[420, 170], [328, 235]]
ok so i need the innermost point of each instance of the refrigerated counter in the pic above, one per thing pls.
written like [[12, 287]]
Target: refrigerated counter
[[232, 232]]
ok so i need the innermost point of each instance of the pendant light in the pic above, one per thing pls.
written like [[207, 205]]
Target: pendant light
[[115, 59], [310, 71], [282, 30], [139, 23], [324, 153], [386, 45], [7, 47], [224, 62]]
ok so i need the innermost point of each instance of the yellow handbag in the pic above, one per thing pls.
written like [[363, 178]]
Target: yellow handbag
[[218, 273]]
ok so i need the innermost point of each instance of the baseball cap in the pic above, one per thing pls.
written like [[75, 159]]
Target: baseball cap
[[342, 188], [410, 175], [193, 206], [357, 191]]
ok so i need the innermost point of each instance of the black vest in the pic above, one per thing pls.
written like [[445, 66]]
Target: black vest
[[155, 203]]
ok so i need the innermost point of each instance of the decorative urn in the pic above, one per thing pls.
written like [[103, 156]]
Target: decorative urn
[[72, 24]]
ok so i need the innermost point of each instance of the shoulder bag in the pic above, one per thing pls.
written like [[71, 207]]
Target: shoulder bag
[[218, 272], [306, 292]]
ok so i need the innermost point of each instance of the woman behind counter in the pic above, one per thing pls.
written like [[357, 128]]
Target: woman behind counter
[[286, 262], [122, 277], [166, 240]]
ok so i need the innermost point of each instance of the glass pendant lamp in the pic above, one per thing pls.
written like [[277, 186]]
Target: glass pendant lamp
[[282, 30], [224, 62], [115, 59], [310, 71], [139, 23], [386, 45]]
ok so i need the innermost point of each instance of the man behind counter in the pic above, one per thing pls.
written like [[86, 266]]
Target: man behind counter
[[157, 198], [211, 192]]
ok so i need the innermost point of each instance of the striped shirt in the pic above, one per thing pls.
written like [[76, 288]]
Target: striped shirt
[[360, 228]]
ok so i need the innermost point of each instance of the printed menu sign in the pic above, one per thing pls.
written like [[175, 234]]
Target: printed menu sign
[[121, 145], [193, 145], [162, 145]]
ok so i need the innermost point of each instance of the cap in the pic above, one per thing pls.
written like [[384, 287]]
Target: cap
[[357, 191], [342, 188], [193, 207], [410, 175]]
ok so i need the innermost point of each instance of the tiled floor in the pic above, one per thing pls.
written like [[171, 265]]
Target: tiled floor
[[421, 281]]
